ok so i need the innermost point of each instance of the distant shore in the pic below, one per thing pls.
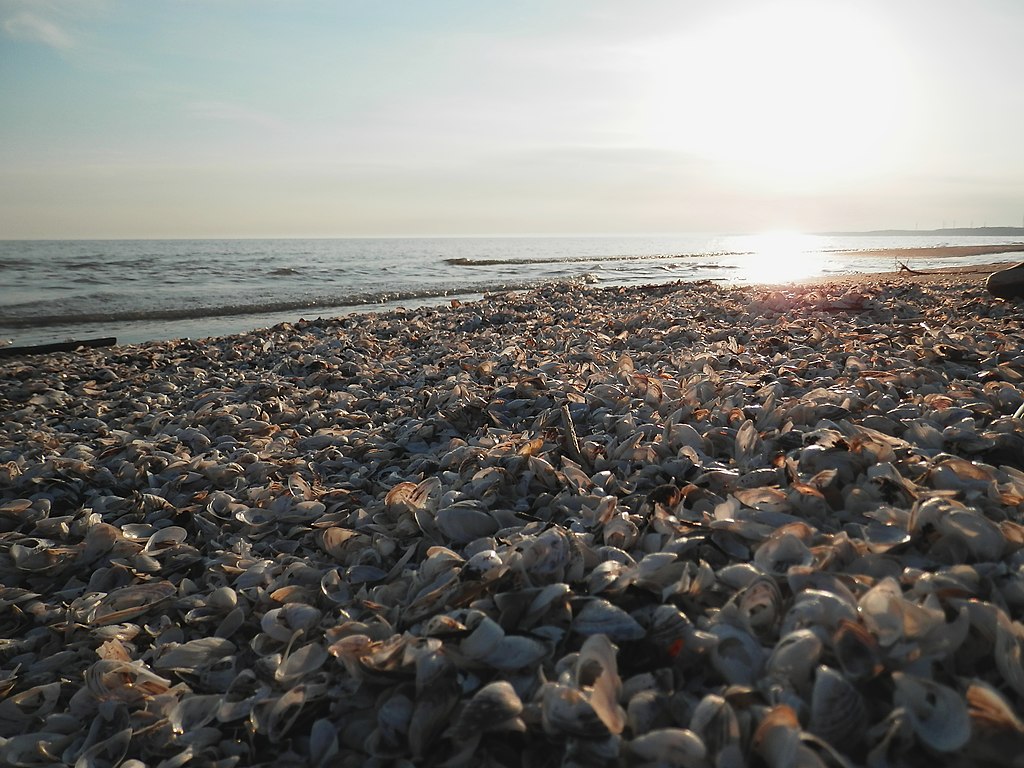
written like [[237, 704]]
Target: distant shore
[[941, 232]]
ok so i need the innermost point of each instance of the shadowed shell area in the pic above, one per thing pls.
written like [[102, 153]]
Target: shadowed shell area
[[681, 525]]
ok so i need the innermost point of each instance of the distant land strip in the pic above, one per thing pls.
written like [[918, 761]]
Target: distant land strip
[[955, 231]]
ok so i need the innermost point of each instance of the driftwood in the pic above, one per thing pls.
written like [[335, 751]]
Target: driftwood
[[60, 346], [905, 268]]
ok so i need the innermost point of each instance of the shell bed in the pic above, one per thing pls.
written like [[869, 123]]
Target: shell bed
[[679, 525]]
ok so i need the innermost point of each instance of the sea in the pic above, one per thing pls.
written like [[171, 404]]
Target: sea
[[142, 290]]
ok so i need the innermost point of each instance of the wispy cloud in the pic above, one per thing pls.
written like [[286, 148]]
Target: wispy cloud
[[58, 24], [27, 26]]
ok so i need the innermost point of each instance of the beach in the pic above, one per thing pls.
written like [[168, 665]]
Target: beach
[[689, 523]]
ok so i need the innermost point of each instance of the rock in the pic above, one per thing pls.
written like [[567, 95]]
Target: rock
[[1007, 283]]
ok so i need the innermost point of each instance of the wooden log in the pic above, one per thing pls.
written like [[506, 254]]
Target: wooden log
[[1007, 283], [60, 346]]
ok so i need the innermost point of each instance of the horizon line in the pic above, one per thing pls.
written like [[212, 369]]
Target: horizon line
[[538, 235]]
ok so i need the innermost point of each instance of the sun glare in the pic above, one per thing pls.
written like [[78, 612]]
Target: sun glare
[[780, 257], [781, 93]]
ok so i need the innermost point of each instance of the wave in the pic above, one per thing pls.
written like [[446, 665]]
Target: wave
[[282, 272], [338, 301], [80, 265], [463, 261]]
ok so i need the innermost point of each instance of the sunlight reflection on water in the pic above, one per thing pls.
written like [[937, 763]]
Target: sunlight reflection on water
[[780, 257]]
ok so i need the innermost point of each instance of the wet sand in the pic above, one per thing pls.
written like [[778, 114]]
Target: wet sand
[[682, 523], [974, 275], [945, 251]]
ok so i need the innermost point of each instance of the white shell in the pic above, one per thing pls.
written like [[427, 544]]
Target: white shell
[[937, 713], [600, 617], [838, 712], [605, 689]]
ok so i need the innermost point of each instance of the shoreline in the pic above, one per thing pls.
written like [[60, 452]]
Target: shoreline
[[169, 322], [606, 513], [973, 273]]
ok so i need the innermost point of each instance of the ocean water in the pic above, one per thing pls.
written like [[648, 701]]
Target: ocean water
[[139, 290]]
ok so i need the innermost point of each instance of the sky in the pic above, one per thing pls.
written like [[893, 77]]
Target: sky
[[293, 118]]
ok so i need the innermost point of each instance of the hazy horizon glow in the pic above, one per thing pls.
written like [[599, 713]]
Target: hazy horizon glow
[[307, 119]]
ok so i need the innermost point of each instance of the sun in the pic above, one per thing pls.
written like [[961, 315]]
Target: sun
[[782, 93], [779, 257]]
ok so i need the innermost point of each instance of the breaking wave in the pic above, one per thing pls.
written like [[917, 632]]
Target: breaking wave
[[464, 261], [28, 316]]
